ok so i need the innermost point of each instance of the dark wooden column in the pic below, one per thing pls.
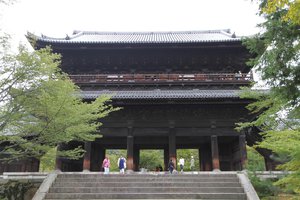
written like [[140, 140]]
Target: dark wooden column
[[24, 165], [58, 161], [130, 145], [35, 165], [136, 159], [97, 157], [205, 157], [166, 158], [102, 154], [243, 150], [172, 146], [215, 153], [87, 156], [270, 164]]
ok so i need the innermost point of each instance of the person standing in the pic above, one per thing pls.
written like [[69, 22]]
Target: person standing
[[192, 166], [181, 164], [171, 166], [122, 164], [106, 165]]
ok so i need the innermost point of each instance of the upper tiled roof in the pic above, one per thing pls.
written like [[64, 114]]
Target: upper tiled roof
[[144, 37], [163, 94]]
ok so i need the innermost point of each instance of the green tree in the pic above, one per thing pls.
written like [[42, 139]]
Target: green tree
[[41, 107], [292, 7], [277, 50], [186, 155], [255, 162], [150, 159], [47, 161], [114, 155]]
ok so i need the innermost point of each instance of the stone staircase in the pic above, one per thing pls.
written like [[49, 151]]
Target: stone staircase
[[146, 186]]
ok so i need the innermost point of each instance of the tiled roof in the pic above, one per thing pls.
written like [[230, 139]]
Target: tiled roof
[[144, 37], [163, 94]]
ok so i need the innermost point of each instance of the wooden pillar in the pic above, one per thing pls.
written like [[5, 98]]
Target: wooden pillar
[[58, 161], [97, 157], [243, 150], [172, 146], [129, 162], [136, 159], [215, 153], [87, 156], [201, 164], [130, 146], [35, 165], [166, 158], [102, 153], [24, 165], [270, 165], [205, 157]]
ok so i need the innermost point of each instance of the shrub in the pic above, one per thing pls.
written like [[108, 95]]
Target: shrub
[[14, 190], [264, 188]]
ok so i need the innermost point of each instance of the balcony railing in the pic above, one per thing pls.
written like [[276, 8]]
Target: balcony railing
[[152, 78]]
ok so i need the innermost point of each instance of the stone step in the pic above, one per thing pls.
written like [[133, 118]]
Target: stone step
[[214, 186], [94, 175], [154, 179], [136, 199], [146, 190], [240, 196], [146, 184]]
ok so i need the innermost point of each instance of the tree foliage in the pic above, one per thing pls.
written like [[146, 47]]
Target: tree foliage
[[14, 189], [41, 107], [47, 161], [291, 6], [151, 159], [277, 50], [186, 155], [255, 162], [114, 155]]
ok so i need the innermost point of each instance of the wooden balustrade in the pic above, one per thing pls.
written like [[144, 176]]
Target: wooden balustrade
[[147, 78]]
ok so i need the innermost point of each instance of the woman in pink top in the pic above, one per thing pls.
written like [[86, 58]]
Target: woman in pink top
[[106, 165]]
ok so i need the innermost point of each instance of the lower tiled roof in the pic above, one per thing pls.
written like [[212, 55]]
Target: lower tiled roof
[[163, 94]]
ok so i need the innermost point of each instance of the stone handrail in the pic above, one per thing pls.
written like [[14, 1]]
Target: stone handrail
[[45, 186], [36, 177], [248, 188]]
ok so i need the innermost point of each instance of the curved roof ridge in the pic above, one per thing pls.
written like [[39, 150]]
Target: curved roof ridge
[[76, 32]]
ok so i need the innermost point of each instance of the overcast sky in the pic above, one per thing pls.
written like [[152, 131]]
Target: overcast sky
[[60, 17]]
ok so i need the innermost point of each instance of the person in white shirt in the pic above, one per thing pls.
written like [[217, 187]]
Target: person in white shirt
[[192, 166], [181, 164]]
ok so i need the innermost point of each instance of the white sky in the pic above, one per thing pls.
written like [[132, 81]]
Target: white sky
[[57, 18]]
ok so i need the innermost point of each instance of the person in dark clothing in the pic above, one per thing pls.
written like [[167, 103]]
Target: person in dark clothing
[[122, 164], [171, 166], [160, 168]]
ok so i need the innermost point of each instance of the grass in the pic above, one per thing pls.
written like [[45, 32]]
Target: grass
[[282, 197]]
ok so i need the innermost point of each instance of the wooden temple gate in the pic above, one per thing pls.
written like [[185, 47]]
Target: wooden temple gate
[[138, 127], [177, 89]]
